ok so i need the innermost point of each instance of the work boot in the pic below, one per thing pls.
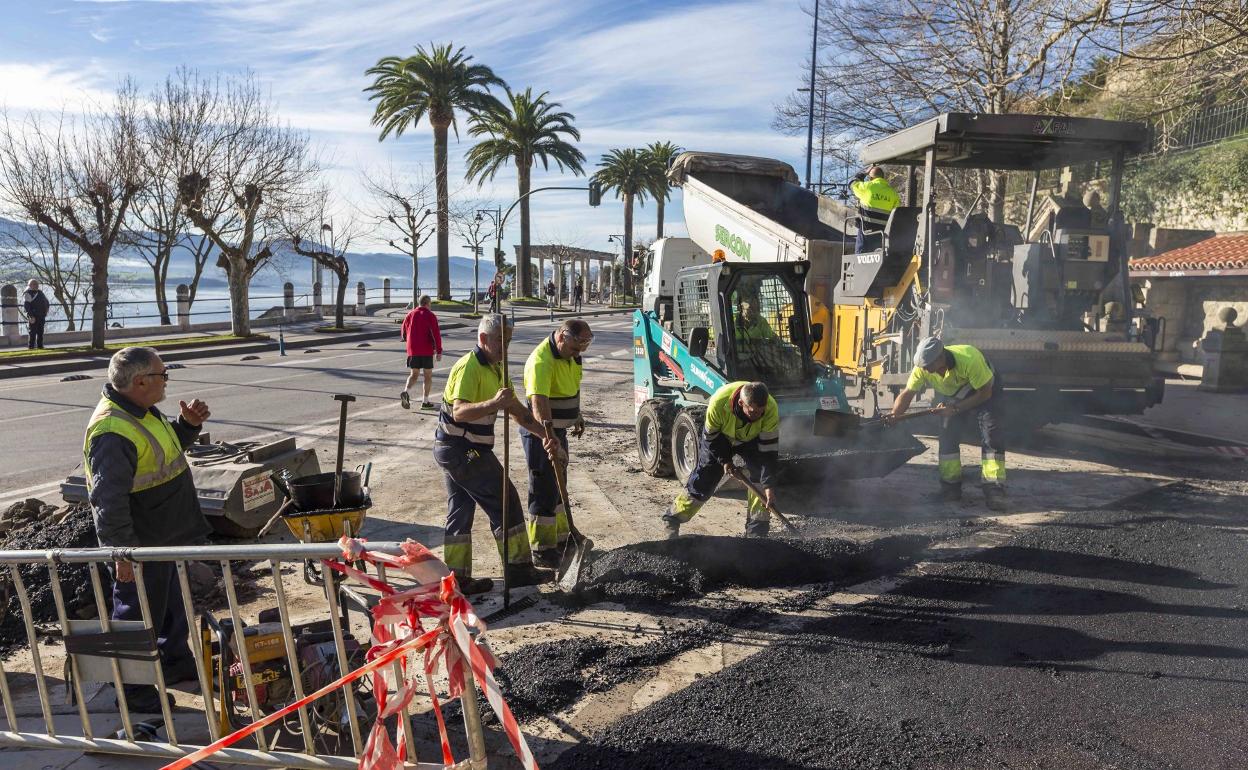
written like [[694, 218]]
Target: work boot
[[547, 558], [469, 586], [994, 497], [757, 528], [180, 670], [405, 400], [671, 526], [949, 493], [520, 575]]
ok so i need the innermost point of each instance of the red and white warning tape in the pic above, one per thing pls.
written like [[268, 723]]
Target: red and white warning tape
[[449, 642]]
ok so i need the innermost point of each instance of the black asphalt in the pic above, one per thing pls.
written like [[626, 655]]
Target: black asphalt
[[1112, 639]]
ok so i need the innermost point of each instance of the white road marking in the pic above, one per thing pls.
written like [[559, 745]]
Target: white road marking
[[20, 494], [45, 414]]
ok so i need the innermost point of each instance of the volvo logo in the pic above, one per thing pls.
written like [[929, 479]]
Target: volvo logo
[[871, 258]]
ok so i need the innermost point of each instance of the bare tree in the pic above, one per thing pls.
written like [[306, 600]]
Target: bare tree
[[883, 71], [402, 205], [475, 229], [34, 249], [324, 235], [177, 121], [77, 176], [247, 174]]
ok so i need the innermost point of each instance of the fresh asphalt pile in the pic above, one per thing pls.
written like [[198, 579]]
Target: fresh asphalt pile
[[1111, 638]]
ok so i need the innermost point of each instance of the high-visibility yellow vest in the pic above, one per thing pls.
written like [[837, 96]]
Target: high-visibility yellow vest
[[721, 420], [546, 373], [159, 450]]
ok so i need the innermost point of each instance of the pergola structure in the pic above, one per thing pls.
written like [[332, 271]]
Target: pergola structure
[[577, 257]]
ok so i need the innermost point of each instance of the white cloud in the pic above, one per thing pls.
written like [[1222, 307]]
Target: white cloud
[[46, 86]]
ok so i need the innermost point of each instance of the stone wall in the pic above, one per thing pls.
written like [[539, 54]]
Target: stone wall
[[1228, 212], [1190, 307]]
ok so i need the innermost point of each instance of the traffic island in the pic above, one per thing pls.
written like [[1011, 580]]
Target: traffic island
[[86, 351]]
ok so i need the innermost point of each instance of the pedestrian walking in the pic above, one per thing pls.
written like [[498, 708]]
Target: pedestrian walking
[[550, 294], [577, 294], [35, 304], [552, 385], [464, 449], [493, 294], [424, 346], [142, 494]]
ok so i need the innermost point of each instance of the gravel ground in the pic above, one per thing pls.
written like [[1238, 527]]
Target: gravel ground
[[1113, 638]]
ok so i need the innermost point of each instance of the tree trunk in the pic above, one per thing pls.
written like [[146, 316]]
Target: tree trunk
[[341, 299], [526, 258], [99, 299], [240, 311], [444, 207], [162, 304], [658, 231], [996, 197], [415, 277], [628, 244]]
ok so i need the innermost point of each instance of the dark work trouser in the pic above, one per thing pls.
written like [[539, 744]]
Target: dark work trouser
[[474, 477], [34, 332], [989, 420], [164, 599], [548, 519], [705, 480]]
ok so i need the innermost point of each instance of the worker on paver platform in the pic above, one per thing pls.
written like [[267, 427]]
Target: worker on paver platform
[[969, 390], [142, 494], [876, 200], [742, 420], [464, 448], [552, 385]]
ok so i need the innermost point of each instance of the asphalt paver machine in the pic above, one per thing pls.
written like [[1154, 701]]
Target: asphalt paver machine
[[1049, 303]]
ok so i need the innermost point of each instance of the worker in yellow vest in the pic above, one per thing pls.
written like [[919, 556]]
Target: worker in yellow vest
[[552, 385], [876, 200], [142, 494], [970, 392]]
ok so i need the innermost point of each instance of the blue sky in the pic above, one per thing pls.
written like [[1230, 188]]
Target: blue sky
[[704, 75]]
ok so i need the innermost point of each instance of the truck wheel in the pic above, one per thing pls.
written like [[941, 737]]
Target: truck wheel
[[686, 435], [654, 436]]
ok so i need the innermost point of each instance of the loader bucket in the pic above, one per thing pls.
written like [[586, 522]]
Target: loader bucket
[[818, 451]]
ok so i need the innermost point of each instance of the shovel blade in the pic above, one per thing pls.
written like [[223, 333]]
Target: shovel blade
[[568, 576]]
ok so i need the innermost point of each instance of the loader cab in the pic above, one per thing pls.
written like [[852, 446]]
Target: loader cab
[[748, 320]]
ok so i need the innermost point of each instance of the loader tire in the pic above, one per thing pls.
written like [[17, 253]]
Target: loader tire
[[686, 435], [654, 436]]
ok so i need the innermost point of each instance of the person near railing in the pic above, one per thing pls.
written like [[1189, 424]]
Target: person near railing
[[36, 305], [142, 495], [424, 346], [876, 200]]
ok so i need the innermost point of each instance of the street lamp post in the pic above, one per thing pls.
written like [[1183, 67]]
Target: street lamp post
[[614, 238], [495, 216], [823, 132], [810, 113]]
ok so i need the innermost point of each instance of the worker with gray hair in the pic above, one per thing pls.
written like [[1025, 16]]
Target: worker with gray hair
[[142, 494], [742, 420], [463, 448], [969, 391]]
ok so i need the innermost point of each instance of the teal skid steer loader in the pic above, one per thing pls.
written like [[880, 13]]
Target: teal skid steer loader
[[708, 323]]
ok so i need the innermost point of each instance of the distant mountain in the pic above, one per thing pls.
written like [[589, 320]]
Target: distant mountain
[[128, 265]]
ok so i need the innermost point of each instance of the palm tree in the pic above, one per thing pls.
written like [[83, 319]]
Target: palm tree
[[432, 84], [661, 154], [631, 174], [521, 131]]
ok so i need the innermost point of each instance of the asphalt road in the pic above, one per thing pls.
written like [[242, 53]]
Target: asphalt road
[[42, 419]]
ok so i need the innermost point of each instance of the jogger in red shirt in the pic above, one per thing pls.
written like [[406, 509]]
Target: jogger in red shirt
[[424, 346]]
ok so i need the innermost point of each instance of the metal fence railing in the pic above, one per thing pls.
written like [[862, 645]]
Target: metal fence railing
[[243, 692], [1205, 126]]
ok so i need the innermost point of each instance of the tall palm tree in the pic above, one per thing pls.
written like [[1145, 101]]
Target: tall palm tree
[[524, 129], [432, 84], [661, 154], [630, 173]]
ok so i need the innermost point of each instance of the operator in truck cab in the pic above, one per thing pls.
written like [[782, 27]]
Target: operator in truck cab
[[969, 390], [742, 420], [876, 200]]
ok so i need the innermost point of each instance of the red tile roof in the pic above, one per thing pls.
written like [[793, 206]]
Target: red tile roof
[[1228, 251]]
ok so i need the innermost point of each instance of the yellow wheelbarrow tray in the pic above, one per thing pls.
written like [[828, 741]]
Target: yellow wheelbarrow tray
[[327, 525]]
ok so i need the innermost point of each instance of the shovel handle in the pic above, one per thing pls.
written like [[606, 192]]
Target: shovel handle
[[739, 476]]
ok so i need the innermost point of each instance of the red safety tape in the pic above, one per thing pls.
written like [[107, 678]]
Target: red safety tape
[[448, 643]]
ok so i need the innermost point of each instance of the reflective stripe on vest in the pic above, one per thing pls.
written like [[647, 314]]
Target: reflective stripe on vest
[[479, 431], [159, 452], [872, 220], [564, 411]]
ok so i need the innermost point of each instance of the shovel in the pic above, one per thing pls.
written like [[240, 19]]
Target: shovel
[[750, 485], [572, 560], [832, 423], [342, 439]]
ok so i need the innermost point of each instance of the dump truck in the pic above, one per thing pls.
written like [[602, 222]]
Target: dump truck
[[707, 321], [1048, 301]]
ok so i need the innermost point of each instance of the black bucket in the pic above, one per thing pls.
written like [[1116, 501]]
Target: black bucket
[[316, 492]]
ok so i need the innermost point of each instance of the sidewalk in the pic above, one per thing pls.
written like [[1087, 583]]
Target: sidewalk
[[297, 336]]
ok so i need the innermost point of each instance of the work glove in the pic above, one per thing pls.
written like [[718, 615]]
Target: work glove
[[578, 427], [861, 176]]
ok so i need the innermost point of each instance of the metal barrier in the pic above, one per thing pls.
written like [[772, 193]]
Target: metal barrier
[[53, 738]]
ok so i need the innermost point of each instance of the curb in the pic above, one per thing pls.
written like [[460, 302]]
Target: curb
[[189, 354]]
